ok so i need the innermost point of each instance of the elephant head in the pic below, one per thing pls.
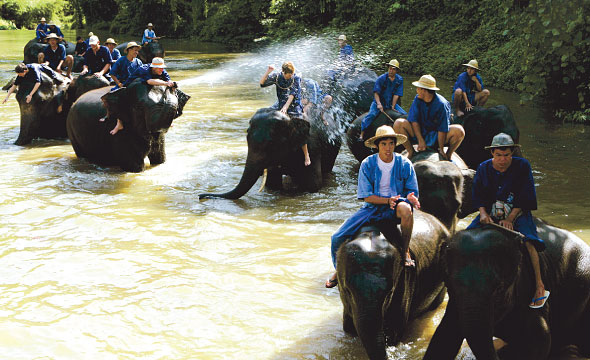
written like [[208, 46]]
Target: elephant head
[[42, 118], [379, 295], [481, 125], [272, 139]]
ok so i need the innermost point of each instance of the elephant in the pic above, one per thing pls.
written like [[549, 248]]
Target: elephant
[[379, 295], [274, 143], [147, 52], [481, 125], [352, 94], [490, 283], [147, 113], [34, 47], [355, 145]]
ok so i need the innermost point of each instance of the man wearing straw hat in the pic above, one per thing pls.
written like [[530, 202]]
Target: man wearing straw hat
[[115, 53], [42, 30], [388, 186], [504, 192], [428, 123], [387, 90], [468, 89], [54, 29], [54, 56], [149, 35]]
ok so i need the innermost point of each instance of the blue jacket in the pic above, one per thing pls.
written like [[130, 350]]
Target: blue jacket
[[467, 85], [42, 31], [285, 88], [54, 57], [433, 117], [144, 73], [123, 68], [96, 62], [387, 89]]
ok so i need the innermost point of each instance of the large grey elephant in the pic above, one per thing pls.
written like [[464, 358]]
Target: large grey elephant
[[490, 283], [481, 125], [147, 113], [274, 143], [379, 295]]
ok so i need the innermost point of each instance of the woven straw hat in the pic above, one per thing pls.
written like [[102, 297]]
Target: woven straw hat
[[393, 63], [90, 34], [131, 44], [158, 62], [150, 24], [473, 64], [342, 37], [52, 36], [426, 82], [110, 41], [42, 19], [502, 140], [385, 131]]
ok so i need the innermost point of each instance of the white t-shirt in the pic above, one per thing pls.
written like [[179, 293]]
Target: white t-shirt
[[385, 184]]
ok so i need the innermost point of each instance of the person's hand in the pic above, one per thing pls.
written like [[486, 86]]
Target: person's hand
[[421, 145], [97, 74], [507, 224], [5, 100], [414, 200], [58, 69], [474, 78], [84, 72], [391, 201], [270, 69], [29, 98], [443, 154], [485, 218], [380, 107], [284, 110], [170, 83], [468, 106]]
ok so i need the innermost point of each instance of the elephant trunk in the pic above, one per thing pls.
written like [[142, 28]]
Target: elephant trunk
[[369, 326], [477, 324], [252, 172]]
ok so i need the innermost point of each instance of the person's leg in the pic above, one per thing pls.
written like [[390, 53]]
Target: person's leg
[[458, 102], [117, 127], [403, 126], [526, 226], [307, 160], [404, 212], [69, 62], [455, 137], [482, 97], [40, 58], [539, 286], [368, 119]]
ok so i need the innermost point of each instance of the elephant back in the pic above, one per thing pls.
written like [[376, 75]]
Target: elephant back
[[31, 50], [84, 83]]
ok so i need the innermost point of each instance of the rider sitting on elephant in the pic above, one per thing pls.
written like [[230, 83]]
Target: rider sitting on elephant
[[149, 35], [30, 73], [388, 88], [429, 121], [504, 192], [54, 29], [54, 55], [115, 53], [42, 30], [151, 74], [288, 87], [313, 96], [468, 89], [81, 47], [388, 186], [97, 60]]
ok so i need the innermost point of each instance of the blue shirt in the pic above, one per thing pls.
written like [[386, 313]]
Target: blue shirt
[[144, 73], [42, 31], [467, 85], [313, 92], [403, 178], [54, 57], [123, 68], [346, 54], [432, 117], [490, 185], [115, 55], [387, 89], [285, 88], [96, 62], [148, 32], [32, 76], [56, 30]]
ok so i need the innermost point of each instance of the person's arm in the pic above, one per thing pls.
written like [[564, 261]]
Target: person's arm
[[10, 91], [484, 217], [160, 82], [35, 88], [418, 134], [287, 104], [508, 223], [265, 76], [84, 70], [394, 101], [104, 70], [117, 82], [468, 105], [477, 83], [378, 101]]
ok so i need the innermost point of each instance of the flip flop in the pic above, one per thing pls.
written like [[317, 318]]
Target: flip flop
[[409, 263], [544, 298], [331, 283]]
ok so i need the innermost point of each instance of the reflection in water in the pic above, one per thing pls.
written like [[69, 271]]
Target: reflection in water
[[103, 264]]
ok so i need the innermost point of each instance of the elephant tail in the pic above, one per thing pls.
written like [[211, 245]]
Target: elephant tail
[[251, 174]]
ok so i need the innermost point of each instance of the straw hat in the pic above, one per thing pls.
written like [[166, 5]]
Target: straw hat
[[426, 82], [90, 34], [42, 19], [502, 140], [93, 40], [110, 41], [51, 23], [393, 63], [158, 62], [473, 64], [342, 37], [385, 131], [150, 24], [131, 44], [52, 36]]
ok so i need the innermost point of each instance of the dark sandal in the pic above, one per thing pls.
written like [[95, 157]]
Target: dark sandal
[[331, 283]]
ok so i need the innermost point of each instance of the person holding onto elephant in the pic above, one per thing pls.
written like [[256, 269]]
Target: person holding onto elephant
[[115, 53], [42, 30], [388, 88], [97, 60], [388, 186], [55, 56], [149, 35], [29, 73], [313, 96], [428, 123], [81, 47], [469, 90], [504, 193], [288, 88]]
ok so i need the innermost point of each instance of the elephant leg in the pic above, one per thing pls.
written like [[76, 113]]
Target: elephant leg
[[348, 324], [274, 179], [157, 154], [447, 338], [534, 341], [312, 176]]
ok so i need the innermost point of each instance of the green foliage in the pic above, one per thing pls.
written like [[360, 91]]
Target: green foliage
[[7, 25], [26, 14], [582, 116]]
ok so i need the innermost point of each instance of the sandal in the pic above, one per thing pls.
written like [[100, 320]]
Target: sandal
[[330, 283]]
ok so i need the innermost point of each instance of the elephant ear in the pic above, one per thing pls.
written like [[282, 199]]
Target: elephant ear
[[9, 84], [467, 207], [399, 308], [182, 100]]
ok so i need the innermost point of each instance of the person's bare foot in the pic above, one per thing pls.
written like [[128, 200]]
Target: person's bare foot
[[117, 127], [102, 119], [460, 113], [59, 109], [409, 262], [539, 296]]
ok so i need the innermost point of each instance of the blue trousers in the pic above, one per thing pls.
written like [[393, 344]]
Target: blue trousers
[[362, 217], [524, 224], [374, 111]]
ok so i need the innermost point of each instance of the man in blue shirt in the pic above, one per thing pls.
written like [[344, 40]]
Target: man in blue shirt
[[387, 90], [469, 90], [345, 62], [149, 35], [54, 29], [30, 73], [97, 60], [42, 30], [504, 193], [388, 186], [428, 123], [288, 88], [54, 56], [115, 53], [126, 65]]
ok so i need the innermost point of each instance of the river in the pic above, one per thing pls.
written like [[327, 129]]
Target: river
[[96, 263]]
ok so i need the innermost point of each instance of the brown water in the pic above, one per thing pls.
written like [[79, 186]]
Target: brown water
[[101, 264]]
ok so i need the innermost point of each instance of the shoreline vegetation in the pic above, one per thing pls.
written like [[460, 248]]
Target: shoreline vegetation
[[538, 48]]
